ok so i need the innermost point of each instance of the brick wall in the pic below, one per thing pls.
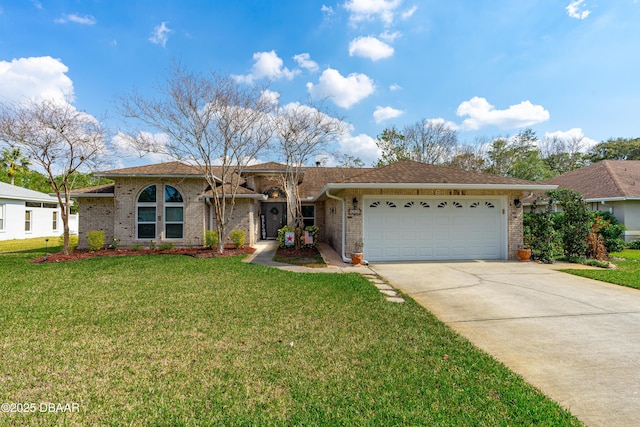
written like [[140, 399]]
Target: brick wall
[[95, 214]]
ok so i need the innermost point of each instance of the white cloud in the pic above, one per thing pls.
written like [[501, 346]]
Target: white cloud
[[409, 12], [327, 10], [304, 61], [267, 65], [577, 10], [395, 87], [390, 36], [160, 34], [444, 123], [366, 10], [271, 97], [370, 47], [385, 113], [574, 134], [76, 19], [362, 146], [35, 78], [125, 146], [481, 113], [343, 91]]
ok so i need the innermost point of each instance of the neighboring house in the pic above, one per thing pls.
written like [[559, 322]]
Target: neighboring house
[[609, 186], [26, 213], [404, 211]]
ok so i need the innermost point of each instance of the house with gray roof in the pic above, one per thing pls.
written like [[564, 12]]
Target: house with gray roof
[[26, 213], [609, 186], [403, 211]]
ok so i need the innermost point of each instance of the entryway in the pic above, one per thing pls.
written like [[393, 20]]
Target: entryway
[[273, 217]]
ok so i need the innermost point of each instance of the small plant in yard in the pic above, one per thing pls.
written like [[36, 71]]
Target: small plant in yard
[[95, 239], [114, 244], [211, 239], [152, 245], [165, 246], [136, 247], [237, 237], [634, 244], [73, 241]]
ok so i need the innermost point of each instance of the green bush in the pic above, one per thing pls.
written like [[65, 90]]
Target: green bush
[[314, 232], [607, 226], [136, 247], [575, 224], [73, 241], [165, 246], [95, 238], [211, 238], [635, 244], [281, 235], [237, 237], [114, 245]]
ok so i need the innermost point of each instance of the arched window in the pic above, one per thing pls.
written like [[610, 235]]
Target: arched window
[[147, 205], [173, 213], [275, 193], [147, 213]]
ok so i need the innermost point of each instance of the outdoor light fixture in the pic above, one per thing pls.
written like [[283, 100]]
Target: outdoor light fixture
[[517, 203], [355, 203]]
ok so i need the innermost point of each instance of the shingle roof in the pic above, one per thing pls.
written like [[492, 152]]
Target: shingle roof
[[159, 169], [13, 192], [408, 171], [104, 190], [606, 179]]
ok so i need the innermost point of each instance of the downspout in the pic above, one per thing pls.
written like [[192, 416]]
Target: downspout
[[208, 201], [344, 224]]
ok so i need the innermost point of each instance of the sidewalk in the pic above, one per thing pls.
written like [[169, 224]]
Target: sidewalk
[[266, 249]]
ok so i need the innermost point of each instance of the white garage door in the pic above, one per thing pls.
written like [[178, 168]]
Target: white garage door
[[452, 228]]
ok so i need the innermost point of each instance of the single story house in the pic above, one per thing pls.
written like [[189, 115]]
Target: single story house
[[403, 211], [26, 213], [609, 186]]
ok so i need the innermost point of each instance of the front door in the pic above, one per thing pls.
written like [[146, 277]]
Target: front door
[[275, 214]]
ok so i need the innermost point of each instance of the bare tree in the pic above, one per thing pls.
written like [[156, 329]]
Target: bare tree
[[563, 155], [431, 141], [58, 138], [211, 122], [302, 132]]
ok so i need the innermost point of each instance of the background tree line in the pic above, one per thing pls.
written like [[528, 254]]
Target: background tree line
[[522, 156]]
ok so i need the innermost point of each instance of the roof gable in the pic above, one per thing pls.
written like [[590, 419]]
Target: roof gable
[[603, 180], [158, 169]]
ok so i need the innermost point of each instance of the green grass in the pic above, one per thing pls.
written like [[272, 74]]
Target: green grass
[[627, 272], [38, 243], [173, 340]]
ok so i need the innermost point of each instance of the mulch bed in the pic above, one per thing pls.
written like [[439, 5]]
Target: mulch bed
[[293, 252], [193, 252]]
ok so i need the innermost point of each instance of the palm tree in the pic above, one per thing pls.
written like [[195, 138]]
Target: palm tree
[[14, 162]]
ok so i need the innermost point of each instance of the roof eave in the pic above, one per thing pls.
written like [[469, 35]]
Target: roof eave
[[436, 186], [239, 196], [92, 195]]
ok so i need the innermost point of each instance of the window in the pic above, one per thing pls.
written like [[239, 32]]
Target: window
[[1, 217], [27, 220], [308, 215], [33, 205], [55, 221], [173, 213], [147, 213], [146, 223]]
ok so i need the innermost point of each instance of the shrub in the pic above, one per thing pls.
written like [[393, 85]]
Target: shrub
[[73, 241], [281, 235], [211, 238], [610, 230], [595, 247], [95, 238], [635, 244], [165, 246], [237, 237], [575, 223], [136, 247], [314, 232], [114, 245]]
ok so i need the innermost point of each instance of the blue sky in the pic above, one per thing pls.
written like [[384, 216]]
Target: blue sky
[[488, 68]]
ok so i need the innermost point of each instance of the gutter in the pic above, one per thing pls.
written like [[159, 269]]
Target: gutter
[[344, 224]]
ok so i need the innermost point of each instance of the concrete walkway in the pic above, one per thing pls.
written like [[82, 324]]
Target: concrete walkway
[[577, 340]]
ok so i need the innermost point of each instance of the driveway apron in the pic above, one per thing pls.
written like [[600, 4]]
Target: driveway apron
[[576, 339]]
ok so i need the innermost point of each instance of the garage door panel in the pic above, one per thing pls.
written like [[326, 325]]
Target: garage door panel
[[433, 229]]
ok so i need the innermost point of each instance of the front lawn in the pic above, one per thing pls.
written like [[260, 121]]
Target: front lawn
[[627, 272], [174, 340]]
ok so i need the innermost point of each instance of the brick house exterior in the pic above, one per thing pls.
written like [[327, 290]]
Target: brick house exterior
[[340, 201]]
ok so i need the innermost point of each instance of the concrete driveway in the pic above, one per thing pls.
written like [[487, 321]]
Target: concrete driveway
[[577, 340]]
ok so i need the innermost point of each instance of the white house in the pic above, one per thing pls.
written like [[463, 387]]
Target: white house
[[26, 213]]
